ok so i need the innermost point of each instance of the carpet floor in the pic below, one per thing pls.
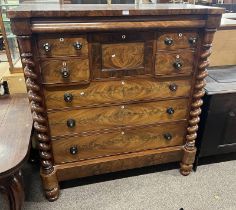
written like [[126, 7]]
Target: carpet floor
[[212, 187]]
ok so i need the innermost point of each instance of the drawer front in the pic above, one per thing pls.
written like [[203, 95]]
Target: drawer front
[[123, 56], [111, 92], [173, 41], [118, 142], [53, 45], [176, 63], [65, 71], [102, 118]]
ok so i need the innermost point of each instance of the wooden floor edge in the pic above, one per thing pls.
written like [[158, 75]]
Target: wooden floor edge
[[117, 163]]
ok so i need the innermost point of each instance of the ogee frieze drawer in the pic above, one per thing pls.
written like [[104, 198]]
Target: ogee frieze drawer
[[118, 142], [174, 63], [83, 120], [65, 70], [179, 40], [66, 45], [111, 92]]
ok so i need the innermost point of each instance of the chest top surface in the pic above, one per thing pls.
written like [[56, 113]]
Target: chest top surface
[[89, 10]]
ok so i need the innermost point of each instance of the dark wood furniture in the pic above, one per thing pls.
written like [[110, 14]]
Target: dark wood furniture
[[114, 87], [217, 133], [15, 132]]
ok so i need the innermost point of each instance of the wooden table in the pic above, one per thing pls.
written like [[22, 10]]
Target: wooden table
[[15, 133]]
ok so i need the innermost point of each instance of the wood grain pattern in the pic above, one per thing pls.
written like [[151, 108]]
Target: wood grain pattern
[[118, 142], [52, 70], [122, 56], [113, 92], [116, 163], [116, 116], [98, 10], [198, 93], [133, 54], [144, 24], [15, 111], [164, 64], [180, 40], [63, 45]]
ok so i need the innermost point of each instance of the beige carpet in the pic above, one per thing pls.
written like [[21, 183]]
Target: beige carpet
[[212, 187]]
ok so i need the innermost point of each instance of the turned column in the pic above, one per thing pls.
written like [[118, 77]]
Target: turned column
[[34, 91], [198, 92]]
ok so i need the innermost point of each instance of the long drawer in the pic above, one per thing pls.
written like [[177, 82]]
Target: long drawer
[[112, 92], [118, 142], [102, 118]]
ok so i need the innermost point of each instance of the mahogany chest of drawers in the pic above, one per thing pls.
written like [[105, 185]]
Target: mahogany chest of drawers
[[114, 87]]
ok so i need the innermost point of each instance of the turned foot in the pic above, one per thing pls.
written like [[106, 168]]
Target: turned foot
[[52, 194], [185, 170], [50, 185], [186, 165]]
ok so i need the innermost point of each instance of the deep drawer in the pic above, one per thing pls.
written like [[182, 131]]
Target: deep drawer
[[102, 118], [65, 45], [113, 92], [65, 70], [118, 142], [179, 40], [174, 63]]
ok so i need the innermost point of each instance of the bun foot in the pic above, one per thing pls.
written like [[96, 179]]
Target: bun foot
[[50, 185], [53, 194], [185, 170]]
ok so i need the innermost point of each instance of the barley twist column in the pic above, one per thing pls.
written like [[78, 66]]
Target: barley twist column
[[198, 93]]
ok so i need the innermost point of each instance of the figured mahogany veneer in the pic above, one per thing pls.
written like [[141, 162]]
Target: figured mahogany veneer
[[62, 45], [174, 63], [116, 116], [77, 68], [113, 92], [118, 142], [114, 87], [120, 56], [177, 40]]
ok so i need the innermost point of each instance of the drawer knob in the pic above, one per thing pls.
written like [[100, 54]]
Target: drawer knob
[[178, 65], [192, 40], [47, 47], [70, 123], [168, 41], [170, 111], [65, 73], [167, 136], [78, 45], [73, 150], [173, 87], [68, 97]]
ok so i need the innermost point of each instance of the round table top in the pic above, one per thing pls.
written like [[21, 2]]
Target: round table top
[[15, 131]]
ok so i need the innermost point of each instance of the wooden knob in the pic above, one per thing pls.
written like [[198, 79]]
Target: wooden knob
[[47, 47], [73, 150], [192, 40], [167, 136], [178, 65], [170, 111], [173, 87], [65, 73], [71, 123], [169, 41], [78, 45], [68, 97]]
